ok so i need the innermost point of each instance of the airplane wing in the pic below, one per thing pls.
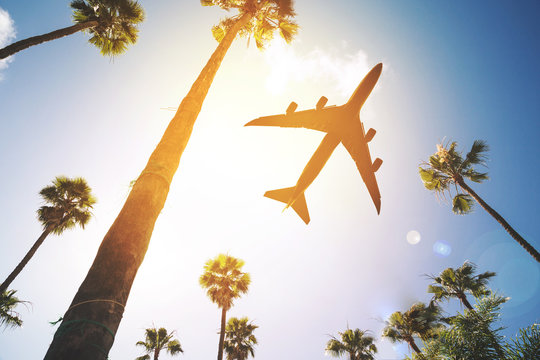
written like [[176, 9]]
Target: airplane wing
[[357, 146], [320, 120]]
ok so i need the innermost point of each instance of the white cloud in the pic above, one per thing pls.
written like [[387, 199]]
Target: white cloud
[[341, 68], [7, 34]]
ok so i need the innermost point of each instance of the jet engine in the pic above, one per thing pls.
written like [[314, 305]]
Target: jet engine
[[376, 164], [292, 108], [370, 134], [320, 104]]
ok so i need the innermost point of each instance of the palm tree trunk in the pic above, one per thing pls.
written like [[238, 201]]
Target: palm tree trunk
[[123, 248], [464, 301], [25, 260], [530, 249], [36, 40], [222, 333], [413, 345]]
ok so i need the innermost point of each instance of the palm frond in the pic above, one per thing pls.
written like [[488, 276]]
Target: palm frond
[[477, 155], [462, 204]]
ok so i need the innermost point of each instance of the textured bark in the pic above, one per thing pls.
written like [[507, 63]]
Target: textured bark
[[530, 249], [25, 260], [222, 333], [89, 325], [36, 40]]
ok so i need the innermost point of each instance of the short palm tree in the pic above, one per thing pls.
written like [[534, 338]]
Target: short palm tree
[[125, 244], [456, 283], [239, 339], [8, 316], [157, 340], [355, 343], [112, 25], [447, 169], [420, 320], [69, 203], [224, 282]]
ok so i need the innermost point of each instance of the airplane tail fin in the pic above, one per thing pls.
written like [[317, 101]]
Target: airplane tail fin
[[284, 195]]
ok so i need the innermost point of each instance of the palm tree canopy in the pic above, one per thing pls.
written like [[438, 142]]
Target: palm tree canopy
[[448, 167], [356, 343], [420, 320], [8, 316], [457, 282], [239, 339], [267, 16], [117, 22], [158, 339], [70, 201], [224, 280]]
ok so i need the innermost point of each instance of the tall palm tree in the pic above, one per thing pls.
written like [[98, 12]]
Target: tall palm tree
[[356, 343], [224, 281], [69, 203], [112, 25], [157, 340], [239, 339], [8, 316], [455, 283], [124, 246], [420, 320], [447, 169]]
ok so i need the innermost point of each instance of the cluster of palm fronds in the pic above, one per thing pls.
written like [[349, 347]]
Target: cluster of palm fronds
[[472, 334]]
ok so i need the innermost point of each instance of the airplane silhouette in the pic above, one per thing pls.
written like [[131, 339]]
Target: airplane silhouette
[[342, 124]]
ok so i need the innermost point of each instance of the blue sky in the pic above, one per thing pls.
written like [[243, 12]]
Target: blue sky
[[452, 71]]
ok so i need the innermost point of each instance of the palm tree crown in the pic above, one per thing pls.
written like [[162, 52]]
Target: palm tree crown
[[265, 17], [448, 167], [355, 343], [117, 22], [157, 340], [420, 320], [8, 316], [69, 203], [224, 280], [455, 283], [239, 339]]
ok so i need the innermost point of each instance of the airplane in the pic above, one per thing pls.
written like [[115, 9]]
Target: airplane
[[342, 125]]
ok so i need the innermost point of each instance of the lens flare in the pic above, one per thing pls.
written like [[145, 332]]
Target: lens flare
[[442, 248], [413, 237]]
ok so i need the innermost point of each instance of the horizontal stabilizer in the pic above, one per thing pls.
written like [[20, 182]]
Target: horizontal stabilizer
[[284, 195]]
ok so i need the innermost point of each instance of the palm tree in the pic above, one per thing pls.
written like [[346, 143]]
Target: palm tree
[[472, 335], [420, 320], [224, 281], [111, 24], [455, 283], [124, 246], [8, 316], [239, 339], [157, 340], [69, 203], [448, 167], [355, 343]]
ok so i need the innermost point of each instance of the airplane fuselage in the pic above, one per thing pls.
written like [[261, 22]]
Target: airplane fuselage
[[327, 146]]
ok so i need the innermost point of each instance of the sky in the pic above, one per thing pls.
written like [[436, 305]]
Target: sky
[[453, 71]]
